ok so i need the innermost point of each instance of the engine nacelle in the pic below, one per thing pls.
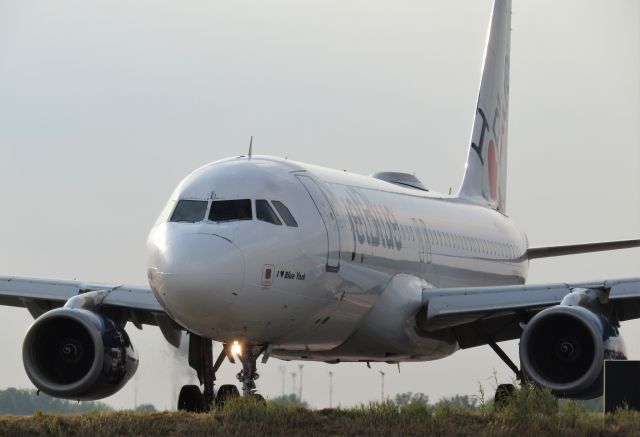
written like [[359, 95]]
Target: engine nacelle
[[78, 354], [564, 348]]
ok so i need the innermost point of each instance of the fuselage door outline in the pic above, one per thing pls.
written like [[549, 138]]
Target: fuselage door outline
[[329, 218]]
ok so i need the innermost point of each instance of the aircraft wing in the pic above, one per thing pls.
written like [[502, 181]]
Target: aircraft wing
[[478, 315], [124, 303], [573, 249]]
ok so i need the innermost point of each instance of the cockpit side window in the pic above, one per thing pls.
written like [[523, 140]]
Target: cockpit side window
[[285, 213], [230, 210], [190, 211], [265, 213]]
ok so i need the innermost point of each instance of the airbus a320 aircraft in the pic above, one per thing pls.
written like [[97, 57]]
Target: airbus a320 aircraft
[[278, 258]]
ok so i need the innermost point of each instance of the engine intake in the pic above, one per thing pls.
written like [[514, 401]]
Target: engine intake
[[564, 348], [78, 354]]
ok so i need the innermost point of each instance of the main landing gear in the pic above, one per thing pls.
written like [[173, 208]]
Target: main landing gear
[[504, 392], [193, 400]]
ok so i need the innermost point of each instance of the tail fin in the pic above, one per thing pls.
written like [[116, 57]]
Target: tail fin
[[485, 177]]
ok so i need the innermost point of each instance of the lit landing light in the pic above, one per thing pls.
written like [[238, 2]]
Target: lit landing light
[[236, 349]]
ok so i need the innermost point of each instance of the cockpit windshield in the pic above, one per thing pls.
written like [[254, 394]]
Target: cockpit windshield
[[230, 210], [285, 213], [265, 213], [193, 211], [190, 211]]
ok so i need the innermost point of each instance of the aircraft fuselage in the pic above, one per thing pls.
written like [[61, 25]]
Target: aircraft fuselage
[[336, 286]]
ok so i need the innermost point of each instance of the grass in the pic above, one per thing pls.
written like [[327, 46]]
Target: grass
[[532, 412]]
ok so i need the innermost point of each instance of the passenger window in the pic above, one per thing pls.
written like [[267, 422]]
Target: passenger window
[[230, 210], [190, 211], [285, 213], [265, 213]]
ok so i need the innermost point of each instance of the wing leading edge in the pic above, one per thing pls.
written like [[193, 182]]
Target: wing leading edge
[[124, 303]]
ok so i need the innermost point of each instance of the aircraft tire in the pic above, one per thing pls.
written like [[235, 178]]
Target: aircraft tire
[[259, 398], [190, 399], [504, 394], [226, 392]]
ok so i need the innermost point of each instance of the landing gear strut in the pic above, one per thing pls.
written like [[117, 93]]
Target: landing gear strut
[[248, 374], [504, 392], [201, 360]]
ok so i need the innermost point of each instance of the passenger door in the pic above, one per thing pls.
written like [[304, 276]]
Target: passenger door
[[327, 212]]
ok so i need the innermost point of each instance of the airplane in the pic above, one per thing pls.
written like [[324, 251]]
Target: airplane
[[276, 258]]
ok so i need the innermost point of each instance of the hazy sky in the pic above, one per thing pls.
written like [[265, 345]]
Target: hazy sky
[[106, 105]]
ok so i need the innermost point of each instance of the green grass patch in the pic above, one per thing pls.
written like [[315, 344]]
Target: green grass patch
[[531, 412]]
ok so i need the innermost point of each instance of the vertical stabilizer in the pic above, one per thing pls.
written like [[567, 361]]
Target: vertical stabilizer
[[485, 177]]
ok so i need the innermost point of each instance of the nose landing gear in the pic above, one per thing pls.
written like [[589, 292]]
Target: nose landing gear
[[193, 400], [248, 375]]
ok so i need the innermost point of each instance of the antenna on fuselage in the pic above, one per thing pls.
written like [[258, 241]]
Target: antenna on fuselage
[[250, 146]]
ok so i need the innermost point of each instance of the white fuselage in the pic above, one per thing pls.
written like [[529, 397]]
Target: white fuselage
[[343, 283]]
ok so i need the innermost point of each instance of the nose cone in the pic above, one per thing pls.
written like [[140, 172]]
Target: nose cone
[[191, 272]]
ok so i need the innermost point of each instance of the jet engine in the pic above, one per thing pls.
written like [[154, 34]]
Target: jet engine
[[78, 354], [564, 348]]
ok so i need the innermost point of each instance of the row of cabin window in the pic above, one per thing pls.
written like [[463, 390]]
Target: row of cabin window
[[472, 244], [193, 211]]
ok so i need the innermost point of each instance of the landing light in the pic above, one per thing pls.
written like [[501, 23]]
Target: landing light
[[236, 349]]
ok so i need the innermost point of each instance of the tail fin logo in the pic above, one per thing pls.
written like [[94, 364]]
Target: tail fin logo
[[485, 126], [492, 163]]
